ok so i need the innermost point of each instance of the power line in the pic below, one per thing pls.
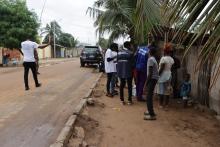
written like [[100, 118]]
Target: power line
[[42, 10]]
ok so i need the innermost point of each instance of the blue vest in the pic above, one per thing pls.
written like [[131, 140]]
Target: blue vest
[[141, 59]]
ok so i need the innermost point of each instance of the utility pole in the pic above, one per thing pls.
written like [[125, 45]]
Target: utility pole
[[54, 40]]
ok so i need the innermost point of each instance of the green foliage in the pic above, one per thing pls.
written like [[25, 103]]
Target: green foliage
[[49, 32], [201, 17], [104, 43], [64, 39], [67, 40], [125, 17], [17, 23]]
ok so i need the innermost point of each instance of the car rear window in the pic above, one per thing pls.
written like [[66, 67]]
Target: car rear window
[[91, 49]]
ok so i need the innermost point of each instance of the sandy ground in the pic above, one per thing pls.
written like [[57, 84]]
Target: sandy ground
[[110, 124]]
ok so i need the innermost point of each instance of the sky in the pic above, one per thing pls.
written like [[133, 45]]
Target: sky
[[70, 15]]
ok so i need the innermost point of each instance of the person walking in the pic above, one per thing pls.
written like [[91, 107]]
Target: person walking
[[141, 69], [164, 82], [152, 78], [29, 62], [124, 70], [110, 69]]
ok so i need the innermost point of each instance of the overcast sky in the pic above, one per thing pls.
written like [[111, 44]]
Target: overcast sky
[[70, 14]]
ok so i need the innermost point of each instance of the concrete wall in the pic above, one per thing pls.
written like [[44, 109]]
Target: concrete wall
[[190, 63], [215, 95], [44, 53]]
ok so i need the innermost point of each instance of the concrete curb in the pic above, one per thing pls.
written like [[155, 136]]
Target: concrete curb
[[65, 134]]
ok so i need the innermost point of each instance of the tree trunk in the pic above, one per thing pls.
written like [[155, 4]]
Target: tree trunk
[[204, 83]]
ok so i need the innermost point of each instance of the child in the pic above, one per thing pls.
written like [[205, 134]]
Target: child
[[185, 90]]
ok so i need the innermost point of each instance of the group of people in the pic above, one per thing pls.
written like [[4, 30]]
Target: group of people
[[149, 71]]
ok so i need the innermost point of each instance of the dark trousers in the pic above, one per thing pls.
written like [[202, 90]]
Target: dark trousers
[[141, 79], [32, 66], [108, 85], [37, 66], [122, 86], [150, 93], [174, 83]]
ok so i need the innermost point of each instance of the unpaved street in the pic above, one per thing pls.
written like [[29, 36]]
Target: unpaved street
[[110, 124], [35, 118]]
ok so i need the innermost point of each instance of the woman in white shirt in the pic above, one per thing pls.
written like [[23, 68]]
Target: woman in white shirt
[[164, 82]]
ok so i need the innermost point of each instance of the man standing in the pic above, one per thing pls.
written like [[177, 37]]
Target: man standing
[[28, 48], [110, 69], [152, 77], [141, 69], [124, 71]]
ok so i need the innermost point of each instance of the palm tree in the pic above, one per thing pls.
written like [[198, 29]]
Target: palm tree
[[125, 17], [202, 17], [51, 30]]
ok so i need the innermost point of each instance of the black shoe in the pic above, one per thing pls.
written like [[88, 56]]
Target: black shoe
[[115, 92], [130, 103], [149, 117], [147, 113], [27, 88], [39, 85], [123, 103]]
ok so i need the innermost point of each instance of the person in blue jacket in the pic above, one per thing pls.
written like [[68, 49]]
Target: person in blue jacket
[[141, 69], [185, 90]]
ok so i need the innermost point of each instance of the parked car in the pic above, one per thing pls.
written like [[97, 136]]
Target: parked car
[[90, 55]]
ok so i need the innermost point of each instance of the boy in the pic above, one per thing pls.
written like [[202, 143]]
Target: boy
[[185, 90]]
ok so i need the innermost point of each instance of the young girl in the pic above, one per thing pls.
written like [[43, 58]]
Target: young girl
[[185, 90]]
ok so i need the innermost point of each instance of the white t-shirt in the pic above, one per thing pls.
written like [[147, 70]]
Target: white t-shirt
[[28, 48], [166, 74], [110, 66], [168, 61]]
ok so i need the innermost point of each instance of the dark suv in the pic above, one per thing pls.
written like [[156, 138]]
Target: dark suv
[[90, 55]]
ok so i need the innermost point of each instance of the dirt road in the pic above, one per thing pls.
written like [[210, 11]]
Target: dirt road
[[35, 118], [110, 124]]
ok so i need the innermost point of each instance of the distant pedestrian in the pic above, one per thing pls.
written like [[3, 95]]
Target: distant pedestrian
[[152, 78], [124, 70], [4, 58], [110, 69], [164, 82], [141, 70], [185, 90], [28, 48]]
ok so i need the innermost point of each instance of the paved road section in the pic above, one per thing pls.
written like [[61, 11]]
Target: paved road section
[[35, 118]]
